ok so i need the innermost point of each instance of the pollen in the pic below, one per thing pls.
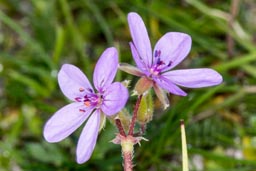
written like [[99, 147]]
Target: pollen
[[81, 89], [87, 103]]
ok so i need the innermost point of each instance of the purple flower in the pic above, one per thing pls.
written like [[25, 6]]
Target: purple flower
[[109, 99], [155, 67]]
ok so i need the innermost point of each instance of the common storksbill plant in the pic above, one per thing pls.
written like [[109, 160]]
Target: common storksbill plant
[[153, 68]]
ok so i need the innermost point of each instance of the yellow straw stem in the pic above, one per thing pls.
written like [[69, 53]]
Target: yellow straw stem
[[184, 147]]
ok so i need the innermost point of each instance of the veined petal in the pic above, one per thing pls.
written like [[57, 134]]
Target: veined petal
[[73, 83], [194, 78], [138, 60], [140, 37], [130, 69], [106, 68], [173, 47], [88, 138], [115, 98], [169, 86], [65, 121]]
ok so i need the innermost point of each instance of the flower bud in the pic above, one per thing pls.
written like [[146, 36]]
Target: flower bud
[[125, 118], [143, 85], [146, 109]]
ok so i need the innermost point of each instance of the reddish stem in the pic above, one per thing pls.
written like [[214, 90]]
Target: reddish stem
[[134, 117], [120, 127], [127, 161]]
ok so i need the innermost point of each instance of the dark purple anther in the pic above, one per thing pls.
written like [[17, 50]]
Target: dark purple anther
[[90, 90], [158, 62], [170, 63], [157, 53], [78, 99], [81, 110]]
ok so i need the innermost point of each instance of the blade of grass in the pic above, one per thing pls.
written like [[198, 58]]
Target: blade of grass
[[101, 21], [59, 44], [236, 62], [75, 34], [26, 38]]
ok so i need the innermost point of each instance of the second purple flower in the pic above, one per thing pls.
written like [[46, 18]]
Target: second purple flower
[[154, 68]]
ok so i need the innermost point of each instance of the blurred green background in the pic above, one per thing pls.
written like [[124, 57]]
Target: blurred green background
[[38, 36]]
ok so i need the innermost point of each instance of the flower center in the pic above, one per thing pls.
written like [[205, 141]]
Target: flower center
[[158, 65], [90, 100]]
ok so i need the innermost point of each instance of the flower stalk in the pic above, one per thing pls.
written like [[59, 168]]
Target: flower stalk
[[120, 127], [127, 150], [127, 141], [134, 117]]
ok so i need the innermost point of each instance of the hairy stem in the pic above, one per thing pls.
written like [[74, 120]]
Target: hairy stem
[[127, 150], [127, 161], [120, 127], [134, 117]]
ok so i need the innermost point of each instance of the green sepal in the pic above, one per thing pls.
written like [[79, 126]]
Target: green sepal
[[102, 121], [146, 108], [125, 118]]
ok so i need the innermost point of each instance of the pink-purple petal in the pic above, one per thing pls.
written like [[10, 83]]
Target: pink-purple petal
[[115, 98], [169, 86], [173, 47], [194, 78], [140, 37], [88, 138], [105, 69], [64, 122], [138, 60], [72, 80]]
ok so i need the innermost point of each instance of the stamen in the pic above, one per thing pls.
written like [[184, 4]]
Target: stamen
[[157, 53], [78, 99], [90, 90], [158, 62], [170, 63], [81, 89], [86, 97], [87, 103], [81, 110]]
